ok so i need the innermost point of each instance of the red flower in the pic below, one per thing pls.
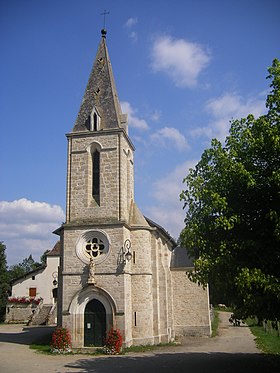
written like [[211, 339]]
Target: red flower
[[113, 342], [61, 340]]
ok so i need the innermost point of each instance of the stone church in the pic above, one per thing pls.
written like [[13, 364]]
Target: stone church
[[118, 268]]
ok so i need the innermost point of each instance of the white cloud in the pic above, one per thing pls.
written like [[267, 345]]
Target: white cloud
[[168, 209], [235, 106], [133, 120], [225, 108], [132, 21], [26, 228], [170, 136], [133, 36], [156, 115], [180, 59]]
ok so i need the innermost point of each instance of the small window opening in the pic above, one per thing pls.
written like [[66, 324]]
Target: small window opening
[[135, 319], [33, 277], [95, 122], [87, 123], [32, 292], [133, 257]]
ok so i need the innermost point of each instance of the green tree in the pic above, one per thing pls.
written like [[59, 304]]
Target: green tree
[[232, 202], [27, 265], [43, 257], [15, 271], [4, 281]]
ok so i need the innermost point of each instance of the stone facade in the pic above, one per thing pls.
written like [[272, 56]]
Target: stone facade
[[115, 263], [116, 191]]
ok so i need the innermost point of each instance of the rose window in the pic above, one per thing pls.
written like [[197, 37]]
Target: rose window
[[94, 245]]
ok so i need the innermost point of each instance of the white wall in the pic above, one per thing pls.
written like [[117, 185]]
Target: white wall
[[43, 282]]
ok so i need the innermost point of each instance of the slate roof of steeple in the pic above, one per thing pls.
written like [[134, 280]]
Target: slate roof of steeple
[[101, 93]]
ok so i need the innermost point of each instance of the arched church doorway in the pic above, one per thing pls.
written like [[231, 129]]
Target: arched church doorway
[[94, 323]]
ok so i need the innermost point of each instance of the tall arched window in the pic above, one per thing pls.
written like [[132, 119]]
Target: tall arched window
[[95, 155], [94, 173]]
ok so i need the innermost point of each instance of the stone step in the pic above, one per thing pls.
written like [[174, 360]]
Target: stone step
[[42, 317]]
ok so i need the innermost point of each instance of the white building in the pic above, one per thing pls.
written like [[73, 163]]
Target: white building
[[38, 284]]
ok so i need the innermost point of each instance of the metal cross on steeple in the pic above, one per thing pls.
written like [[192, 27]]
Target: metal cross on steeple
[[104, 19]]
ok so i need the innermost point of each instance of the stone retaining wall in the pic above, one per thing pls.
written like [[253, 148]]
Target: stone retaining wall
[[19, 312]]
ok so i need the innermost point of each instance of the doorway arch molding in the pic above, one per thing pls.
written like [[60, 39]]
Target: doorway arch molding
[[81, 299], [77, 311]]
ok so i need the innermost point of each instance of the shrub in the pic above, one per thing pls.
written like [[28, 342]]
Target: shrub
[[113, 342], [61, 341]]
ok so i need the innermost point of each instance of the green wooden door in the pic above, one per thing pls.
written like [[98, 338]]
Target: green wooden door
[[95, 324]]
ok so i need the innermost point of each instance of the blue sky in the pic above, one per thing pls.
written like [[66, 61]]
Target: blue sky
[[183, 70]]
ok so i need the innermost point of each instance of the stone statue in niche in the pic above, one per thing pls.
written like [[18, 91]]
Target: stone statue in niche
[[91, 272]]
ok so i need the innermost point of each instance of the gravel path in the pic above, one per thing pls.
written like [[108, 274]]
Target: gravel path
[[230, 339], [233, 350]]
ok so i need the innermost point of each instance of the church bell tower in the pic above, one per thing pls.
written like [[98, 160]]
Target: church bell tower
[[100, 153], [94, 291]]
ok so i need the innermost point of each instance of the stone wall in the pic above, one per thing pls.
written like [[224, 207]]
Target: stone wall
[[19, 313], [190, 305], [162, 291]]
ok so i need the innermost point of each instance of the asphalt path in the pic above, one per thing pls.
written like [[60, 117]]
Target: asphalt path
[[232, 351]]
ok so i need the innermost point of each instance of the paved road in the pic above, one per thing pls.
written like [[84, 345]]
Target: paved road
[[233, 351]]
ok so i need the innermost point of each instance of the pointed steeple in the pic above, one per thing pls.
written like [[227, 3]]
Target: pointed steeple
[[100, 97]]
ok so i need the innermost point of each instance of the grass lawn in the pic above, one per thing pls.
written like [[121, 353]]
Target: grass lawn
[[43, 345], [143, 348], [267, 342]]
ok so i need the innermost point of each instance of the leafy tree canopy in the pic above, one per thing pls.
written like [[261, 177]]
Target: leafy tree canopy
[[232, 203], [43, 257], [27, 265]]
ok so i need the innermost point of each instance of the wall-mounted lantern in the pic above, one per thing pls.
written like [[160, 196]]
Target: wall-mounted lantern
[[126, 251], [54, 275]]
